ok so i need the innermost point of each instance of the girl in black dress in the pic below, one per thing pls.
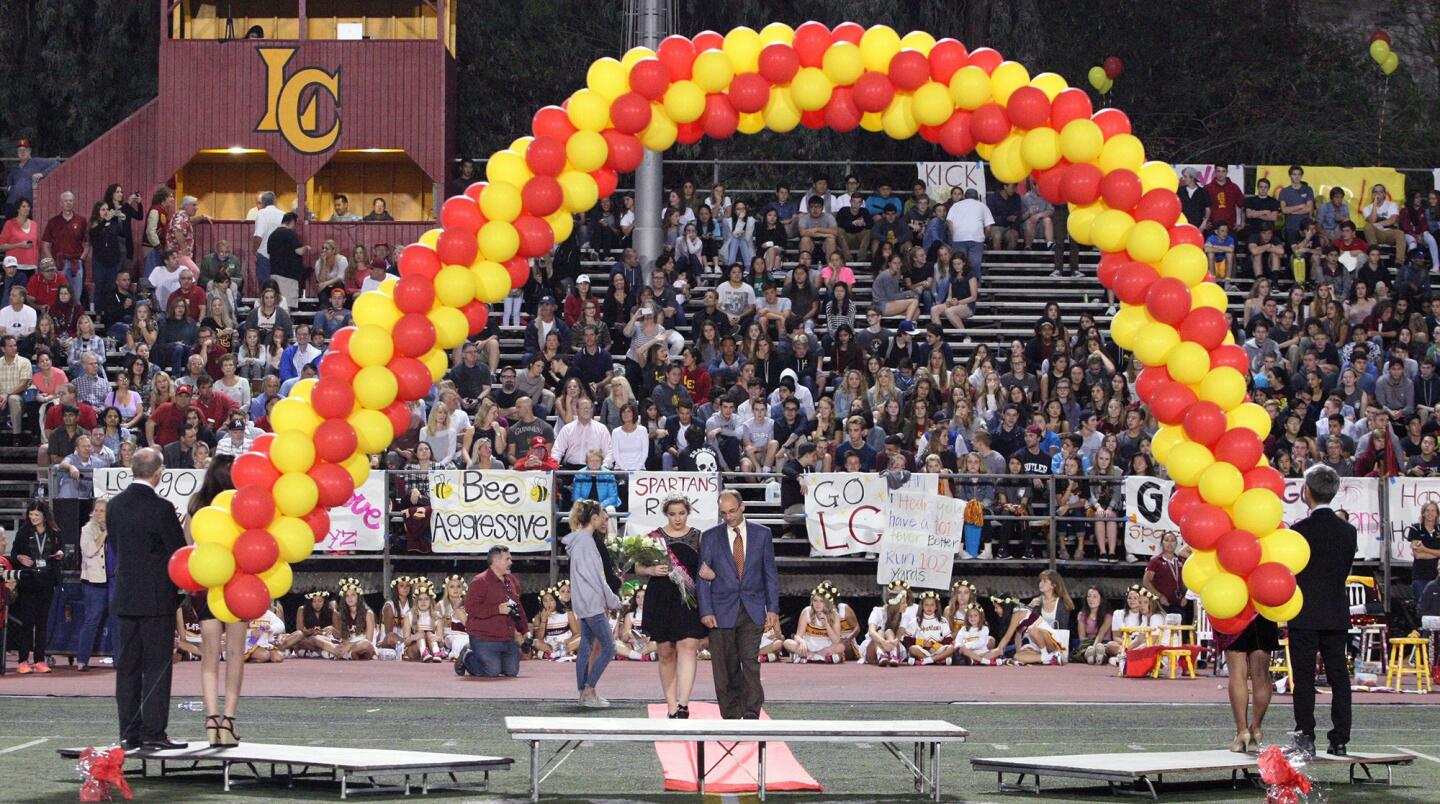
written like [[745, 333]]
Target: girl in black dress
[[1248, 656], [672, 615]]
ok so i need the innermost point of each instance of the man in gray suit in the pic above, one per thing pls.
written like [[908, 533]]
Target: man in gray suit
[[739, 596]]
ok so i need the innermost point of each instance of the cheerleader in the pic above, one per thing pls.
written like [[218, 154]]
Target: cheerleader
[[927, 635], [354, 622], [452, 616], [817, 632], [394, 612], [554, 629], [849, 623], [771, 643], [187, 631], [422, 624], [1138, 613], [263, 636], [1010, 614], [882, 644], [1041, 645], [962, 597], [314, 628], [972, 639], [631, 641]]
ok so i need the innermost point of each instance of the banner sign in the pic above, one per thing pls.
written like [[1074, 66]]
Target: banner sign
[[357, 525], [844, 512], [1408, 495], [1204, 174], [1356, 182], [475, 510], [649, 490], [912, 549], [940, 177]]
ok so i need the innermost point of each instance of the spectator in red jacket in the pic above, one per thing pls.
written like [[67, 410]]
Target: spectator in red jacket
[[1226, 199]]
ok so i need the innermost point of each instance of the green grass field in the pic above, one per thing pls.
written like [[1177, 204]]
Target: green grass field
[[631, 772]]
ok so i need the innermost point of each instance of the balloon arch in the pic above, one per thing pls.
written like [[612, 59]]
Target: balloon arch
[[1173, 315]]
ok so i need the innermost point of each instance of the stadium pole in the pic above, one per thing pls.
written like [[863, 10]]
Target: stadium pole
[[652, 23]]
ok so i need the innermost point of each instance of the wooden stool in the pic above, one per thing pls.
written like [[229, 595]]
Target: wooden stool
[[1373, 639], [1177, 657], [1418, 665]]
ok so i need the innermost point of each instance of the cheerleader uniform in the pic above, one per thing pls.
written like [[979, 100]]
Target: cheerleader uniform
[[262, 632], [353, 631], [557, 633], [638, 638], [876, 619], [815, 636], [455, 637], [1046, 621], [849, 624], [973, 639], [927, 633], [399, 628]]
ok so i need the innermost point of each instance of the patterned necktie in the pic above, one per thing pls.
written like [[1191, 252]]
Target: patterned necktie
[[737, 549]]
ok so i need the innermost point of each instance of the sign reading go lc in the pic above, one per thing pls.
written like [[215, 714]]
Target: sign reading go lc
[[284, 97]]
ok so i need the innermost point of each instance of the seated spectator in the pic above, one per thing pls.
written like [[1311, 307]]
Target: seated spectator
[[378, 211], [1415, 223], [45, 284], [1347, 242], [889, 298], [1006, 210], [1382, 221], [888, 230], [268, 316], [1265, 253], [1332, 213], [1220, 251], [220, 262]]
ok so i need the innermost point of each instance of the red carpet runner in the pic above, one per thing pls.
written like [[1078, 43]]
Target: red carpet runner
[[734, 773]]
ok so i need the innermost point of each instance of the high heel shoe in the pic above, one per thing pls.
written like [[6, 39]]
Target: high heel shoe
[[1252, 745], [212, 730], [227, 732], [1242, 739], [682, 712]]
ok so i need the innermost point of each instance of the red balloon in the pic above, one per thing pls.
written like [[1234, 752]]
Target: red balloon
[[1133, 280], [319, 521], [1240, 447], [1029, 107], [946, 59], [519, 270], [1052, 187], [253, 469], [1081, 184], [1239, 552], [417, 260], [873, 92], [626, 152], [1232, 356], [930, 134], [1113, 67], [812, 39], [689, 133], [413, 380], [335, 484], [779, 63], [1168, 300], [340, 341], [252, 507], [462, 214], [957, 139], [246, 596], [473, 191], [1382, 35], [1111, 121], [986, 58], [1110, 264], [552, 121], [1170, 401], [848, 32], [1203, 525], [477, 315], [457, 247], [255, 551], [546, 155], [749, 92], [650, 78], [708, 40], [541, 195], [1205, 326], [335, 441], [261, 444], [1184, 498], [413, 294], [677, 53], [1071, 104], [606, 180], [990, 124], [1271, 584], [1186, 233], [399, 415], [1236, 624], [909, 70], [1159, 205], [1265, 477], [630, 113], [332, 399], [813, 119], [338, 366], [1121, 189], [536, 236], [1204, 422], [1150, 380], [841, 113], [179, 569], [719, 119]]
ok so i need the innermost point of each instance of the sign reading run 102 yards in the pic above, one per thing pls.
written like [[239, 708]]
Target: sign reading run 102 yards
[[474, 510]]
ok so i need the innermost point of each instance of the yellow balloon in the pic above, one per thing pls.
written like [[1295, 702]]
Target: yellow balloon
[[1379, 49], [1188, 461], [713, 71], [1284, 612], [1051, 84], [1258, 511], [843, 63], [296, 414], [918, 40], [1155, 342], [743, 46], [776, 32], [1081, 222], [492, 283], [1149, 242], [874, 122], [1284, 546], [358, 466], [387, 286], [634, 55], [295, 494], [224, 498], [1008, 77], [1081, 140], [1166, 438], [501, 201], [781, 114], [1041, 148], [214, 525], [376, 387], [1208, 294], [1199, 568], [451, 326], [878, 45], [1391, 63], [278, 579], [1224, 386], [294, 538], [1122, 151], [588, 110], [562, 222], [498, 240], [932, 104], [373, 308], [215, 599], [429, 238], [899, 121], [212, 564], [371, 346], [811, 89], [1221, 484], [751, 123], [507, 166], [1251, 416], [1188, 362], [1107, 86], [454, 287], [970, 87], [1158, 175], [1126, 325], [608, 77], [581, 192], [1111, 229], [1225, 595], [684, 102], [520, 144], [1185, 262], [661, 133], [293, 450], [436, 361], [373, 431], [1229, 339]]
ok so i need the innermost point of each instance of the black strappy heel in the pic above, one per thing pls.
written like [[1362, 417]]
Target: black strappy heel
[[227, 732], [212, 730], [682, 712]]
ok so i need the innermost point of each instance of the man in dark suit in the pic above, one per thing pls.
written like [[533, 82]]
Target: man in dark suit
[[1324, 620], [739, 596], [145, 532]]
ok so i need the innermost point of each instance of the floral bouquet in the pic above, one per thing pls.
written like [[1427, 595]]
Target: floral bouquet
[[636, 549]]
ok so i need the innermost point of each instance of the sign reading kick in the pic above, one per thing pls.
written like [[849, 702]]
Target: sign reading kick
[[477, 509], [290, 102]]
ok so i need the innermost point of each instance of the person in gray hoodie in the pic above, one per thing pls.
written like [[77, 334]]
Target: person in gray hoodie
[[1394, 393], [591, 596]]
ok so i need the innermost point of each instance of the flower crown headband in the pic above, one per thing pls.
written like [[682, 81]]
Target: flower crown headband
[[929, 594], [955, 587], [348, 585], [318, 593], [405, 579], [460, 579]]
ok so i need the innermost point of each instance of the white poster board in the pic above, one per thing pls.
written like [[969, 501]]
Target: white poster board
[[649, 490], [475, 510], [845, 512], [941, 177], [910, 549]]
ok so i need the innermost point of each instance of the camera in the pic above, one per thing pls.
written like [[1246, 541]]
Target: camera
[[514, 611]]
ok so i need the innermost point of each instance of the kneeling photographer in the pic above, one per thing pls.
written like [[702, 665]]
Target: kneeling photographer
[[495, 621]]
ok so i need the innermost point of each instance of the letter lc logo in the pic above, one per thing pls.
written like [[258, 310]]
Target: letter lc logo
[[283, 102]]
